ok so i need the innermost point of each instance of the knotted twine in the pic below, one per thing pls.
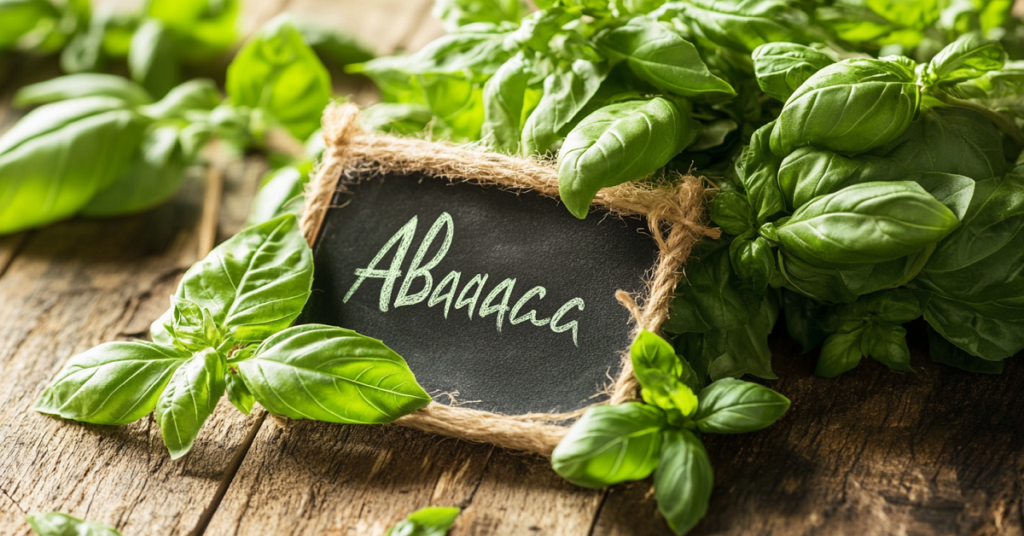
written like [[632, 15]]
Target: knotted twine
[[674, 210]]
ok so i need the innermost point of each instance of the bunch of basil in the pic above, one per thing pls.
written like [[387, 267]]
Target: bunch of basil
[[100, 145]]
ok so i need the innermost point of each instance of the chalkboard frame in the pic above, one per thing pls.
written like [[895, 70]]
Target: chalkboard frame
[[674, 210]]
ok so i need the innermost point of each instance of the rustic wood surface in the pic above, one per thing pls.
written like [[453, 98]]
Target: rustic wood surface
[[937, 452]]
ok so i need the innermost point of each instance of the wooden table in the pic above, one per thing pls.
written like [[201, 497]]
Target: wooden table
[[878, 452]]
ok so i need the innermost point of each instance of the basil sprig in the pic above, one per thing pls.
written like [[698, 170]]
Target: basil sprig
[[227, 331], [612, 444]]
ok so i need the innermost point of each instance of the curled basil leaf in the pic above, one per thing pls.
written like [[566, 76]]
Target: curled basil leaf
[[504, 96], [619, 143], [331, 374], [189, 399], [610, 444], [873, 222], [849, 107], [567, 90], [807, 173], [970, 56], [781, 68], [757, 169]]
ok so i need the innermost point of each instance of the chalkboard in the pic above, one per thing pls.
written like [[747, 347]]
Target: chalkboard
[[532, 325]]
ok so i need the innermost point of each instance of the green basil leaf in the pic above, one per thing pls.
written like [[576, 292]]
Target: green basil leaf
[[683, 480], [942, 351], [404, 119], [189, 399], [979, 263], [840, 353], [743, 26], [753, 261], [283, 192], [567, 91], [331, 374], [478, 49], [950, 140], [980, 334], [708, 296], [845, 283], [970, 56], [430, 521], [238, 393], [195, 95], [893, 306], [807, 321], [154, 175], [206, 28], [663, 58], [610, 444], [781, 68], [735, 352], [19, 17], [872, 222], [278, 73], [1001, 90], [457, 101], [75, 86], [456, 13], [807, 173], [113, 383], [60, 155], [504, 96], [757, 169], [667, 381], [954, 191], [153, 58], [59, 524], [731, 211], [730, 406], [620, 143], [193, 328], [334, 48], [850, 107], [888, 346], [255, 284]]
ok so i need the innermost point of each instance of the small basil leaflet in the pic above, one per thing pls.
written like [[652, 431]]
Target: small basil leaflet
[[60, 524], [429, 521], [630, 441], [227, 331]]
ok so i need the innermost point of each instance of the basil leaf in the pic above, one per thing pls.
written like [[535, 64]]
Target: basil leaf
[[59, 524], [942, 351], [781, 68], [457, 101], [753, 261], [74, 86], [950, 140], [807, 321], [189, 399], [979, 263], [198, 94], [663, 58], [745, 350], [204, 28], [840, 353], [404, 119], [334, 48], [60, 155], [970, 56], [872, 222], [888, 346], [731, 211], [708, 296], [193, 328], [667, 381], [113, 383], [254, 284], [19, 17], [743, 26], [730, 406], [683, 480], [845, 283], [430, 521], [850, 107], [153, 58], [807, 173], [619, 143], [154, 175], [979, 333], [238, 393], [567, 90], [610, 444], [954, 191], [276, 72], [757, 168], [504, 95], [331, 374], [283, 192], [456, 13]]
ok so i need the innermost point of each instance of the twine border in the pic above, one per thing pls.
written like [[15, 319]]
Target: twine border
[[674, 211]]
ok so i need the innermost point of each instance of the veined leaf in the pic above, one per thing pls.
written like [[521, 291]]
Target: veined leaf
[[730, 406], [683, 480], [189, 399]]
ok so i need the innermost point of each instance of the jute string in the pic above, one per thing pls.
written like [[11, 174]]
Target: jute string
[[674, 210]]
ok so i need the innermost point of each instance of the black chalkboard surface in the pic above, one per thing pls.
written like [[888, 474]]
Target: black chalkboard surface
[[532, 324]]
